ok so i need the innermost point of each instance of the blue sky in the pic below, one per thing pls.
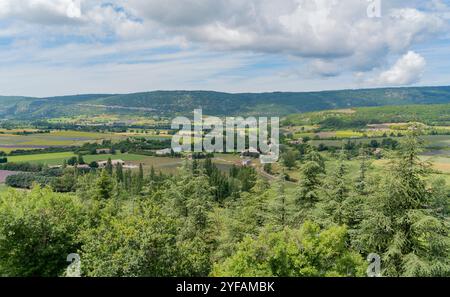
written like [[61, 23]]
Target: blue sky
[[58, 47]]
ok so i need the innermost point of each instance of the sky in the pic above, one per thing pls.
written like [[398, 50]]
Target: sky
[[61, 47]]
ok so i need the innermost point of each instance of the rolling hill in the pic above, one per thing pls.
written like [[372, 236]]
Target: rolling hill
[[431, 114], [169, 103]]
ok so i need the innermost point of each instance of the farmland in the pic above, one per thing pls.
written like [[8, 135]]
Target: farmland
[[55, 138], [238, 191], [164, 164], [4, 174]]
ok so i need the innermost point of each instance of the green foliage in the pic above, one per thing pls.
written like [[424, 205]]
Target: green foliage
[[38, 229], [400, 222], [203, 222], [182, 102], [104, 186], [311, 180], [146, 246], [360, 117], [289, 158], [72, 161], [308, 251]]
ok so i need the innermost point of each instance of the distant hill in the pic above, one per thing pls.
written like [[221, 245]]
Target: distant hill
[[432, 114], [169, 103]]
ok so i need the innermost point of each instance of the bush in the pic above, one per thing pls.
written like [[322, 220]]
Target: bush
[[27, 180], [93, 165], [72, 161], [38, 230], [24, 167]]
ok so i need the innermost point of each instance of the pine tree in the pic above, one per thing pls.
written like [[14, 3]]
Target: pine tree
[[280, 207], [104, 186], [336, 192], [140, 179], [81, 160], [152, 174], [119, 173], [401, 226], [310, 183], [361, 181], [109, 167], [127, 180]]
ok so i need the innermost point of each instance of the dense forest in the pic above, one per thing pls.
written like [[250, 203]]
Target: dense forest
[[202, 222]]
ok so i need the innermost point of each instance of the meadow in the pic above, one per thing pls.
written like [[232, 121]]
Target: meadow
[[164, 164], [56, 138]]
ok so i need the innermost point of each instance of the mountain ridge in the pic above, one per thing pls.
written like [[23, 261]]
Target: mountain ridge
[[181, 102]]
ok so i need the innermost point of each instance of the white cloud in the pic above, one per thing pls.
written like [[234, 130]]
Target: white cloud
[[318, 29], [320, 38], [41, 11], [406, 71]]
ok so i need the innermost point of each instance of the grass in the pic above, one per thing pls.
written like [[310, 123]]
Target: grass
[[164, 164], [49, 159], [440, 163], [58, 158], [55, 138], [10, 149], [169, 164], [348, 134], [3, 188]]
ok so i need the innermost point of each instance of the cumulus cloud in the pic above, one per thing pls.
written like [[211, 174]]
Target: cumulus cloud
[[406, 71], [41, 11], [318, 29], [322, 38]]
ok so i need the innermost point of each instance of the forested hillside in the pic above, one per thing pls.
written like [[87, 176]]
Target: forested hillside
[[432, 114], [215, 103]]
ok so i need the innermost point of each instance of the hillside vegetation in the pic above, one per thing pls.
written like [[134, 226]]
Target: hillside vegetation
[[434, 114], [215, 103]]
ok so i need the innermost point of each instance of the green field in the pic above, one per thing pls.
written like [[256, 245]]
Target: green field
[[165, 164], [55, 138], [58, 158], [49, 159]]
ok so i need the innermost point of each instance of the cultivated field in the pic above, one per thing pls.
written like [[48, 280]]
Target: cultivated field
[[4, 174], [10, 142], [164, 164]]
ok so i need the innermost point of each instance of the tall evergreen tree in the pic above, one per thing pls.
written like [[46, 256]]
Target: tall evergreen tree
[[400, 225], [119, 173], [109, 167], [104, 186], [280, 206]]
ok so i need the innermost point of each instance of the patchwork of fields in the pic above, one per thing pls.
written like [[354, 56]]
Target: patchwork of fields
[[165, 164], [10, 142]]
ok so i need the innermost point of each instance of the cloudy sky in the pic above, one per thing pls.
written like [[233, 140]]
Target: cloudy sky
[[56, 47]]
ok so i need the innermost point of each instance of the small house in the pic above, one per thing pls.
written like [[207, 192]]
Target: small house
[[251, 152], [103, 151], [102, 164], [164, 152]]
